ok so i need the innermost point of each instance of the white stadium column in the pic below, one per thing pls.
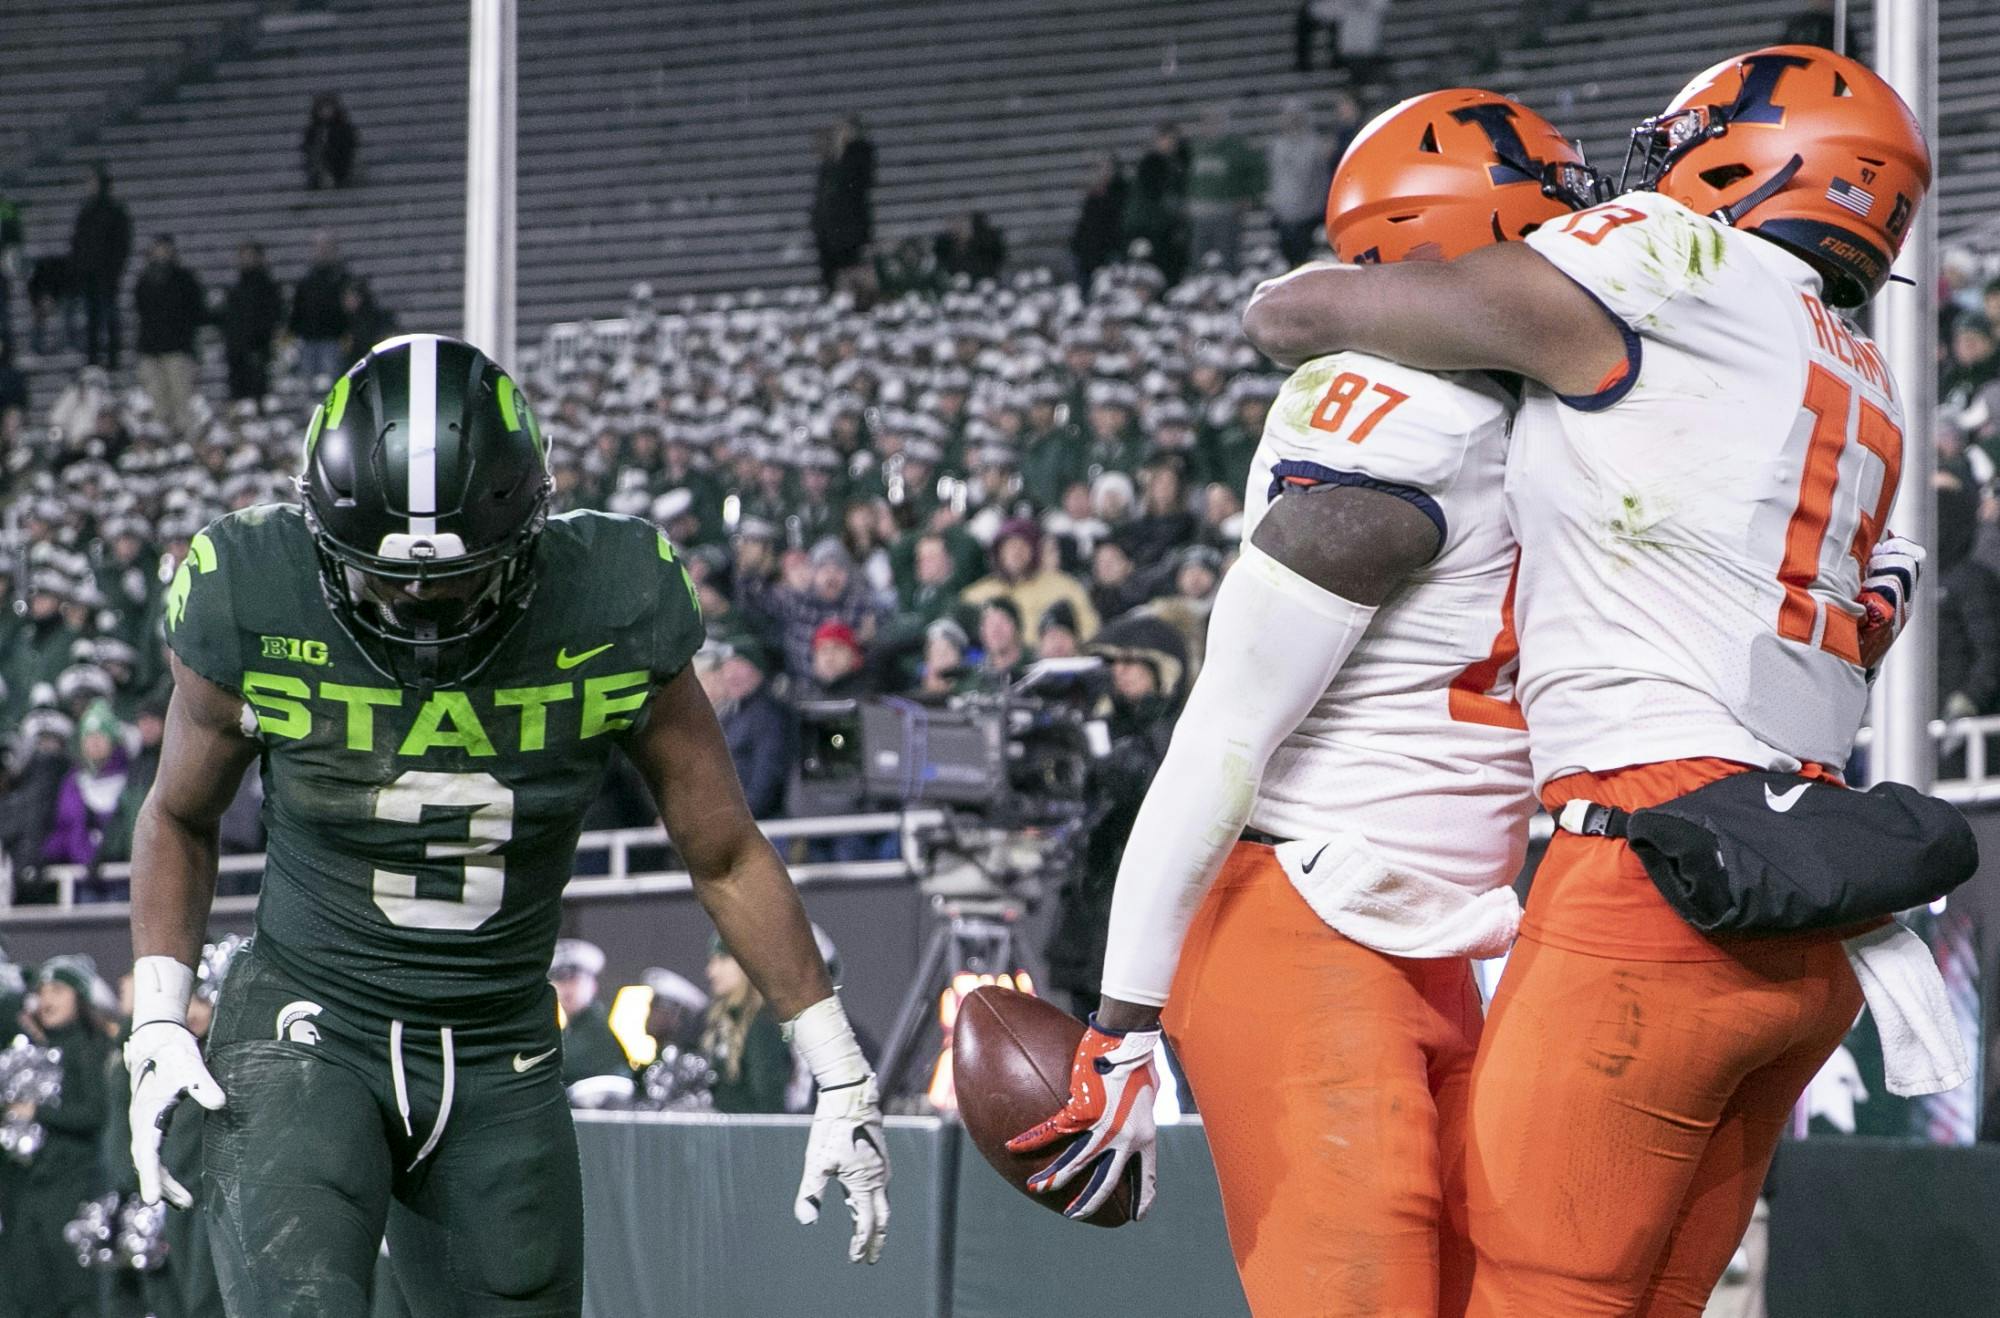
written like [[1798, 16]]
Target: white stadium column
[[1906, 329], [489, 181]]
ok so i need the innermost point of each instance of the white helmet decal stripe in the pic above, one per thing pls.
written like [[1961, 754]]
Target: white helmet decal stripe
[[422, 485]]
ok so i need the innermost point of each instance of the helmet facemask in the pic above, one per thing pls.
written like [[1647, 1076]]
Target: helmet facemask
[[427, 617], [1657, 143]]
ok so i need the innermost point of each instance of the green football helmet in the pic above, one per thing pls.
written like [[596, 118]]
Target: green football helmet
[[426, 486]]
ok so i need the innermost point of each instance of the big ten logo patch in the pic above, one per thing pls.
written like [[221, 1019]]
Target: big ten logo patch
[[296, 650]]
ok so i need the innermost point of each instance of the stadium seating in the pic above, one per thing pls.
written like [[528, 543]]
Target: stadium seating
[[673, 142], [634, 120], [70, 64]]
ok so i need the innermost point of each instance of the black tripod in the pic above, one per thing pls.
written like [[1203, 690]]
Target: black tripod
[[972, 936]]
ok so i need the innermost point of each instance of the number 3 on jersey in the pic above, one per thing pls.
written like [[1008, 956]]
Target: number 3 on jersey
[[1830, 399], [482, 872], [1336, 407]]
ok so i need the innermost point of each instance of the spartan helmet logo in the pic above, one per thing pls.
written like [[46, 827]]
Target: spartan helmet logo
[[295, 1022]]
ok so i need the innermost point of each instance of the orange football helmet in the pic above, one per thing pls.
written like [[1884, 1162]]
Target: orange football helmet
[[1447, 172], [1807, 148]]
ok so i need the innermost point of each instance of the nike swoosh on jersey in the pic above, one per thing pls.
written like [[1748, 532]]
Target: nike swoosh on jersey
[[524, 1063], [1307, 868], [1783, 801], [564, 659]]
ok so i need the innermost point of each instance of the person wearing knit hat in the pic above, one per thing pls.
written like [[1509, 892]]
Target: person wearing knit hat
[[64, 1171], [839, 663], [1021, 575], [741, 1039], [87, 802], [1055, 632], [589, 1048], [944, 672], [674, 1018]]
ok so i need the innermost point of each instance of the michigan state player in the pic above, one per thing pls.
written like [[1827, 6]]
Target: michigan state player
[[431, 673]]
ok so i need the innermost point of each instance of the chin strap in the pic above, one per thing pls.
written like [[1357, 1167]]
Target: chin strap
[[1732, 213]]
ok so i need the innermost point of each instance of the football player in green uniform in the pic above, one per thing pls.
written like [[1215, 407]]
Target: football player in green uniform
[[431, 674]]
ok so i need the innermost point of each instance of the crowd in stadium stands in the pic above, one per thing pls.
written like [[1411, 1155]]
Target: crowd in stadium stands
[[913, 484]]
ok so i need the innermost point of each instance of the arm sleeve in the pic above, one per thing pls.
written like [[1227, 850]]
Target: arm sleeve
[[677, 625], [201, 616], [1275, 641]]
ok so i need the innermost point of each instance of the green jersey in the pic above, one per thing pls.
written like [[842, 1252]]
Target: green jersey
[[418, 844]]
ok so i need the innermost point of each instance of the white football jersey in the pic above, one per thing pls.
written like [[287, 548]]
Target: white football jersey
[[1418, 745], [1694, 534]]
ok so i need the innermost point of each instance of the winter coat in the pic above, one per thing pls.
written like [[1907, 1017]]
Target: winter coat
[[172, 308]]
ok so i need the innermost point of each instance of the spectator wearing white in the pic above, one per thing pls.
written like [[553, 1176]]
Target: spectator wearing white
[[76, 407], [1301, 163], [589, 1048], [1361, 23]]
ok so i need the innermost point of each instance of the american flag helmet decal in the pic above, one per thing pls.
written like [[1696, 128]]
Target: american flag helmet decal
[[1850, 196]]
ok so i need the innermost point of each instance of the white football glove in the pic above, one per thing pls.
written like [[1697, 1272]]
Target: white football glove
[[1111, 1089], [1887, 591], [846, 1142], [165, 1064]]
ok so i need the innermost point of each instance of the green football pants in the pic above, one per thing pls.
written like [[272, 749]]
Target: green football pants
[[333, 1114]]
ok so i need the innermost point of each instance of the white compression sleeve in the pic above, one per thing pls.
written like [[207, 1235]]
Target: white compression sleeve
[[1275, 641]]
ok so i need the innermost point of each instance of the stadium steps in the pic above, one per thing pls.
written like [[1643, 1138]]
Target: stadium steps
[[672, 142], [73, 66], [634, 124]]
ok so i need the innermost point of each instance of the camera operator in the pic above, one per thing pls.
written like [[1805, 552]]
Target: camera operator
[[1148, 662]]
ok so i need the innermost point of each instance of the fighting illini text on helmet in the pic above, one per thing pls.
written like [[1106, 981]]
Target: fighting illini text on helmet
[[1447, 172], [1799, 145]]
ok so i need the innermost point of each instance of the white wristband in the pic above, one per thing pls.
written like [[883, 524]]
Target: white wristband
[[161, 987], [826, 1041]]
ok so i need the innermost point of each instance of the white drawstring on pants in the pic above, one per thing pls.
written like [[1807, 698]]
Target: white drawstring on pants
[[396, 1075]]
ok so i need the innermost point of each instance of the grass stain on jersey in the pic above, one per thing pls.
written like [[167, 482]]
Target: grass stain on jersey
[[1299, 399], [1630, 522], [1706, 254]]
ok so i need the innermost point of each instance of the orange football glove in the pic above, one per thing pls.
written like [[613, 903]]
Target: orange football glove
[[1111, 1088]]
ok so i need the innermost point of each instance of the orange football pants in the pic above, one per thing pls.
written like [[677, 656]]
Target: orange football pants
[[1633, 1080], [1333, 1083]]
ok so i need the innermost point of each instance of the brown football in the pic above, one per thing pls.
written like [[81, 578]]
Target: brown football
[[1010, 1057]]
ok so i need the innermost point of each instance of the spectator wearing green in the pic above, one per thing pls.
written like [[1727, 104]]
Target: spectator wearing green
[[589, 1048], [1116, 442], [66, 1170], [1226, 176], [1056, 454], [1227, 444], [742, 1041], [936, 581], [40, 648]]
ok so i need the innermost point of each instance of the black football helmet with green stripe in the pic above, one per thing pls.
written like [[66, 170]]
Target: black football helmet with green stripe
[[426, 487]]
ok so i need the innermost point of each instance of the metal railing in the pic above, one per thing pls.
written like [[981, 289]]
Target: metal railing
[[613, 847], [1977, 784]]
